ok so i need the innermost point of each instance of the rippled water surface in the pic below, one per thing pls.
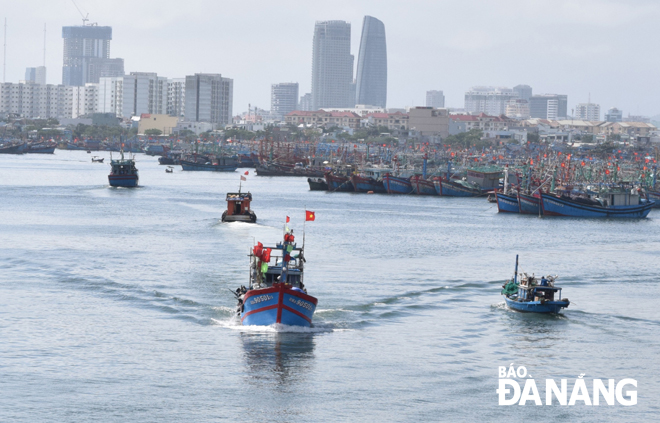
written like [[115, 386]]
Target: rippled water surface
[[115, 304]]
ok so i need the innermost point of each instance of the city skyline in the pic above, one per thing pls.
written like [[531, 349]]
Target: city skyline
[[273, 45]]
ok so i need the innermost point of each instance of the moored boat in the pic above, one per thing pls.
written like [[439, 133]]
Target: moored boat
[[317, 184], [617, 203], [532, 294], [276, 293], [222, 164], [506, 203], [422, 186], [529, 204], [338, 182], [396, 184]]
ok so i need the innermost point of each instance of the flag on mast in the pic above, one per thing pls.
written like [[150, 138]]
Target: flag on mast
[[310, 215], [287, 219], [243, 178]]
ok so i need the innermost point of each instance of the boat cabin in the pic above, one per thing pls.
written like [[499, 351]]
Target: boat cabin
[[238, 208], [534, 289], [486, 177], [293, 273]]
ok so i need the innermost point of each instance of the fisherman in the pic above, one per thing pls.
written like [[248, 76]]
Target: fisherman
[[544, 281]]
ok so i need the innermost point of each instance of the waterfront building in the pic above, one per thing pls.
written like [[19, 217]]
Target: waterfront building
[[30, 100], [524, 92], [164, 123], [283, 99], [36, 75], [111, 92], [489, 100], [517, 108], [396, 121], [548, 106], [332, 65], [176, 96], [614, 115], [429, 121], [371, 80], [209, 98], [144, 92], [323, 119], [587, 111], [87, 55], [435, 98], [483, 122]]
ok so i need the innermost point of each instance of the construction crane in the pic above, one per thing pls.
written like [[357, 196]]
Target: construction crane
[[85, 17]]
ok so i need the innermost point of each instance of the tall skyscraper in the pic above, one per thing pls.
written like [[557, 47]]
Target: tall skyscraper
[[332, 65], [36, 75], [435, 98], [209, 98], [144, 92], [87, 55], [548, 106], [283, 99], [524, 91], [587, 111], [176, 96], [371, 88]]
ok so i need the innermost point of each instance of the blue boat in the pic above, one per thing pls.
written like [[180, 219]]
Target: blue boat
[[367, 183], [654, 196], [223, 164], [506, 203], [276, 293], [533, 295], [460, 188], [123, 172], [529, 204], [397, 184], [619, 203]]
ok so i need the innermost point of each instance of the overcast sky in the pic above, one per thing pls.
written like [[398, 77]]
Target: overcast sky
[[608, 48]]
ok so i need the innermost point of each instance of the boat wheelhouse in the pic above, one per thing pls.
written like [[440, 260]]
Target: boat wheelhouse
[[238, 208]]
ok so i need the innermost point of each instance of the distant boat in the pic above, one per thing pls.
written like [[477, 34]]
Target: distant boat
[[12, 149], [533, 295], [317, 184], [41, 148], [507, 203], [422, 186], [223, 164], [397, 184], [529, 204], [276, 293], [238, 208], [96, 159], [618, 203], [460, 188], [169, 169], [338, 182], [123, 172]]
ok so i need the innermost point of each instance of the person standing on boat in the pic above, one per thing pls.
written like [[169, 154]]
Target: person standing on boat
[[544, 281]]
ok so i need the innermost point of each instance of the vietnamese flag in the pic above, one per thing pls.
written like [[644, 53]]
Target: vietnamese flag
[[310, 215], [287, 219]]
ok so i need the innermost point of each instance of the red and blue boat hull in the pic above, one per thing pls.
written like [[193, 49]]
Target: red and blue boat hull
[[279, 304], [558, 206], [506, 203], [655, 197], [396, 185], [362, 184], [127, 181], [423, 186], [529, 204]]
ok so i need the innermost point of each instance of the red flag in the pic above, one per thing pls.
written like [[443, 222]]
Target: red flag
[[247, 172], [287, 219], [243, 178], [309, 215]]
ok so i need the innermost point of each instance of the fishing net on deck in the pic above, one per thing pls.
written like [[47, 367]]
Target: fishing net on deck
[[510, 288]]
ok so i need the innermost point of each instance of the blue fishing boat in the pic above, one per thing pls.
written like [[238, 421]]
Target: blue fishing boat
[[619, 203], [397, 184], [422, 186], [276, 293], [369, 181], [338, 182], [654, 196], [123, 172], [528, 204], [532, 294], [222, 164], [506, 203], [460, 188]]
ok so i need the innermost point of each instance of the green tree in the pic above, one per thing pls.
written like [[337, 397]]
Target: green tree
[[153, 131]]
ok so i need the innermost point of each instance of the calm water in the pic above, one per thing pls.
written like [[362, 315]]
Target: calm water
[[115, 303]]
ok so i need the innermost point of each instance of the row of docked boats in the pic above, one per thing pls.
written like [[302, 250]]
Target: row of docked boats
[[27, 148]]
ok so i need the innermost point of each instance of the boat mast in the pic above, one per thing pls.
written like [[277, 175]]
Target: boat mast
[[515, 274]]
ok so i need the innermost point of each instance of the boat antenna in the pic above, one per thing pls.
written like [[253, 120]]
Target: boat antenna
[[515, 274]]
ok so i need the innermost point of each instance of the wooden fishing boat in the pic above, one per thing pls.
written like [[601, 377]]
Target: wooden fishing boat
[[397, 184], [529, 204], [506, 203], [338, 182], [238, 208], [422, 186], [532, 294], [123, 172], [276, 293], [615, 202], [96, 159], [317, 184]]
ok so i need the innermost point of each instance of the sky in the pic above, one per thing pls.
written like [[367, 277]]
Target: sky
[[603, 49]]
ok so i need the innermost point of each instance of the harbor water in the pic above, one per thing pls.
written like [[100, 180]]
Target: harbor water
[[115, 303]]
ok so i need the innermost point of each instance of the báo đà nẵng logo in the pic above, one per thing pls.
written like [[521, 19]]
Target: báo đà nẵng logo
[[583, 391]]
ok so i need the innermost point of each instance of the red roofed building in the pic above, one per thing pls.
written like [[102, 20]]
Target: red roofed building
[[321, 119]]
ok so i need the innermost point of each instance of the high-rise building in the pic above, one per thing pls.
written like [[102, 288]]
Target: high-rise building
[[84, 100], [36, 75], [87, 55], [489, 100], [283, 99], [548, 106], [111, 95], [332, 65], [176, 96], [435, 98], [144, 92], [305, 103], [614, 115], [31, 101], [209, 98], [517, 108], [371, 80], [524, 91], [587, 111]]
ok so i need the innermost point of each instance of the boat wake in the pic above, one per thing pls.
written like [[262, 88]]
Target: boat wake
[[235, 324]]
